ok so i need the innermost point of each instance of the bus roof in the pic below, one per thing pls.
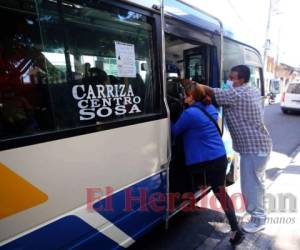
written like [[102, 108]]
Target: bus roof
[[192, 16]]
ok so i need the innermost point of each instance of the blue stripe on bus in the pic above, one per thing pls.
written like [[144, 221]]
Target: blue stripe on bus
[[136, 221], [72, 232], [69, 232]]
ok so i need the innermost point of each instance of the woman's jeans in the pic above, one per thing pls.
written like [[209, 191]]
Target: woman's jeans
[[215, 171], [252, 183]]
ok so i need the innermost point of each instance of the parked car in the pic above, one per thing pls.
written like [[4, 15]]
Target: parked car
[[290, 100]]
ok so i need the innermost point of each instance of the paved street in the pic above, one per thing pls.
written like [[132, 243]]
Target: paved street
[[284, 129], [205, 228]]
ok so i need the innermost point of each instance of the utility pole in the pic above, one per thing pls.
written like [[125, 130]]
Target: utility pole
[[267, 40], [279, 14], [277, 49]]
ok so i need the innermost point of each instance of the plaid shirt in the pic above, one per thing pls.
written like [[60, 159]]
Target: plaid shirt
[[244, 116]]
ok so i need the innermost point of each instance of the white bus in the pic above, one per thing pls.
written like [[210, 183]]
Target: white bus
[[87, 92]]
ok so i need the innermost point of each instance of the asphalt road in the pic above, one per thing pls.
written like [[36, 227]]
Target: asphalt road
[[197, 230], [284, 129]]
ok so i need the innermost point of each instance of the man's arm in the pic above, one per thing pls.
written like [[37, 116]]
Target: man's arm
[[224, 97]]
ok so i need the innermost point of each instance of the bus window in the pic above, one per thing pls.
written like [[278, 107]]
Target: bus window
[[233, 55], [251, 57], [110, 53], [255, 79], [195, 64], [24, 97], [65, 66]]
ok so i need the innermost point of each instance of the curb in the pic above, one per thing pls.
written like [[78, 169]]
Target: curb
[[294, 154]]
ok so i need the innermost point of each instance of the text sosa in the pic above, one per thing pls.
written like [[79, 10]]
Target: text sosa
[[105, 100]]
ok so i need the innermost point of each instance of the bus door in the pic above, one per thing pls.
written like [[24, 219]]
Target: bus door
[[186, 59]]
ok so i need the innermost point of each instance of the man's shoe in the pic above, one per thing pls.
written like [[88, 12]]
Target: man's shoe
[[252, 227], [239, 236]]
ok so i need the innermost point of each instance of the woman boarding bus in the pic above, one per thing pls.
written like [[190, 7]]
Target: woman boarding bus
[[85, 155], [204, 150]]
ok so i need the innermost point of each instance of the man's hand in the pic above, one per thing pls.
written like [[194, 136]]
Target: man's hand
[[205, 90], [204, 93]]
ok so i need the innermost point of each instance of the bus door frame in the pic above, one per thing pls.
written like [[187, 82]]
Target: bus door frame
[[163, 73]]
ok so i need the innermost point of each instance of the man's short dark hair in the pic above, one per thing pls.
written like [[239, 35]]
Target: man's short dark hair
[[243, 72]]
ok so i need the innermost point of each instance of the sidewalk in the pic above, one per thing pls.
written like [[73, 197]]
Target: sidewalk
[[206, 228], [284, 223], [283, 202]]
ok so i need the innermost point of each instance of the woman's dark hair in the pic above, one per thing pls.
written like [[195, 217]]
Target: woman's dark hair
[[243, 72], [199, 94], [190, 88]]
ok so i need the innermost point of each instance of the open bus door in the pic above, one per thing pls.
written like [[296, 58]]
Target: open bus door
[[190, 59]]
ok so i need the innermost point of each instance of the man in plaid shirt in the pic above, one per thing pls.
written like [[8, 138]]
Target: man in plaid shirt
[[244, 115]]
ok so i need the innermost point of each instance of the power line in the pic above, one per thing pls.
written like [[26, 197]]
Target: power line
[[238, 15]]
